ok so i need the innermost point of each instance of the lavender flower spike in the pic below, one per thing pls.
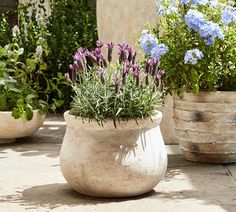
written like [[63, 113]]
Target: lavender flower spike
[[125, 71], [117, 82], [110, 47], [131, 53], [99, 44], [102, 76], [137, 74], [122, 51]]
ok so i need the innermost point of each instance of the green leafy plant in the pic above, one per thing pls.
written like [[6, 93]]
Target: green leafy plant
[[200, 41], [18, 82], [103, 90], [71, 24]]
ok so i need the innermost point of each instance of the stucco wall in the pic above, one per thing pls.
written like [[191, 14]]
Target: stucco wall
[[124, 21]]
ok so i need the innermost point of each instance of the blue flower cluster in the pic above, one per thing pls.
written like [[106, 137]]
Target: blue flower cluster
[[228, 16], [148, 42], [200, 2], [192, 56], [213, 3], [159, 50], [151, 47], [163, 10], [207, 29]]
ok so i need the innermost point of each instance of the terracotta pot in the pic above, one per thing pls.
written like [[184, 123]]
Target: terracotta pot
[[206, 126], [11, 128], [129, 160]]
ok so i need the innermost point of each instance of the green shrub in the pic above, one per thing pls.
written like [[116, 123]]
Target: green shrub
[[72, 24]]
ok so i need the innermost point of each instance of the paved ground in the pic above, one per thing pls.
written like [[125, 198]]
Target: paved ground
[[30, 180]]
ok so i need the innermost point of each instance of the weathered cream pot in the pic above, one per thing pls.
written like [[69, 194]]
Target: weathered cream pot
[[126, 161], [11, 128], [206, 126]]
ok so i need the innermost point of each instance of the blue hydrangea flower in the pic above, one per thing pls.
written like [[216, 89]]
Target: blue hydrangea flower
[[194, 19], [200, 2], [207, 29], [172, 9], [228, 16], [148, 42], [184, 1], [213, 3], [161, 10], [192, 56], [210, 31], [158, 51], [209, 41]]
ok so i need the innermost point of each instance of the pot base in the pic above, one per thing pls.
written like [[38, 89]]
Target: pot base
[[7, 140], [209, 157]]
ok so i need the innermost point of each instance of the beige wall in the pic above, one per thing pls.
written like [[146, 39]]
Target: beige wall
[[124, 20]]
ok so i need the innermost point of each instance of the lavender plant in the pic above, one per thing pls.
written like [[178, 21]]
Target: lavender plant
[[127, 89], [196, 42]]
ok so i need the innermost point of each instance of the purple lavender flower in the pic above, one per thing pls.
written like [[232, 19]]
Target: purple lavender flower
[[155, 67], [110, 47], [99, 44], [131, 53], [67, 77], [158, 77], [102, 75], [137, 74], [149, 63], [74, 68], [122, 51], [125, 71], [92, 57], [117, 82], [134, 57]]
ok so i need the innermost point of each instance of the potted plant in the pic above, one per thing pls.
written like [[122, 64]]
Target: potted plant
[[22, 112], [113, 146], [201, 73]]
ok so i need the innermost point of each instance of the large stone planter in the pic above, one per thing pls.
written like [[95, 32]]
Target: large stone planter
[[11, 128], [108, 162], [206, 126]]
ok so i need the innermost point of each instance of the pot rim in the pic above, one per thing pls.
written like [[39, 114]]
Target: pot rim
[[108, 124], [9, 112]]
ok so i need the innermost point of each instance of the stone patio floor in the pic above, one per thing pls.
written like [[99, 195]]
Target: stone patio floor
[[30, 180]]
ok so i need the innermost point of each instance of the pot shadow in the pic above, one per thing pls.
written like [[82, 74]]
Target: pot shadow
[[56, 195], [46, 141]]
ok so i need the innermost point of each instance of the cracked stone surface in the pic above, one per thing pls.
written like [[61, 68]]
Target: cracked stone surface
[[30, 180]]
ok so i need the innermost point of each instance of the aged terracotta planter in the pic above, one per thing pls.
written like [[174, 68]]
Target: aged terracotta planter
[[11, 128], [108, 162], [206, 126]]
